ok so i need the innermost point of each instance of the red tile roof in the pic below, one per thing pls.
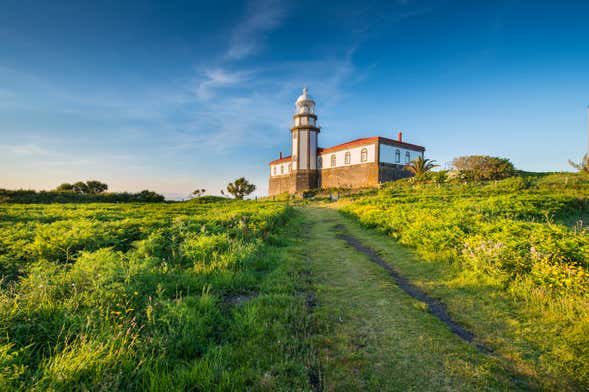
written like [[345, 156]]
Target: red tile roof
[[369, 140], [283, 160], [394, 142], [364, 140]]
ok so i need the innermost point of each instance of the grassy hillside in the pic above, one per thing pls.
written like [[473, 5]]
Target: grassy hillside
[[510, 258], [150, 297], [219, 294]]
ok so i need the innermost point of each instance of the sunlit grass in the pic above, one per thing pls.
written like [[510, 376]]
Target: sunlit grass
[[503, 258], [135, 297]]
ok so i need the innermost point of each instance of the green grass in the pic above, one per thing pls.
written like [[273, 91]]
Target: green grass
[[222, 295], [201, 297]]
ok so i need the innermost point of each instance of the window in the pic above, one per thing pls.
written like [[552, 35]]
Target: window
[[407, 157], [364, 155], [319, 162], [347, 158], [281, 169], [397, 156], [333, 160], [289, 167], [274, 170]]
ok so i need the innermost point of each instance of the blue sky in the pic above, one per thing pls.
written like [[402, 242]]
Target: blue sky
[[174, 96]]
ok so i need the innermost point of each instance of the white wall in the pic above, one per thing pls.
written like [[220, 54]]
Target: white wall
[[313, 147], [303, 149], [355, 156], [284, 166], [387, 154], [295, 145]]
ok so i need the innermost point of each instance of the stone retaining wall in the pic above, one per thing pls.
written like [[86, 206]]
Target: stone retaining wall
[[353, 176]]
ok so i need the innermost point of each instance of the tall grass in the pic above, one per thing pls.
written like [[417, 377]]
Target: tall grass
[[515, 235], [139, 296]]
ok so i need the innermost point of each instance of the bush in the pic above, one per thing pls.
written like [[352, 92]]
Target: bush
[[23, 196], [483, 168]]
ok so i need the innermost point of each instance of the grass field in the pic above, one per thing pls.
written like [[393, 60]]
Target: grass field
[[509, 258], [150, 297], [215, 294]]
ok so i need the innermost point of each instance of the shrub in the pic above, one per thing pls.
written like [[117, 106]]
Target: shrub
[[22, 196], [483, 168]]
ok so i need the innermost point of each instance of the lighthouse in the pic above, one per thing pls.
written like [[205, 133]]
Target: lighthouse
[[359, 163], [304, 144]]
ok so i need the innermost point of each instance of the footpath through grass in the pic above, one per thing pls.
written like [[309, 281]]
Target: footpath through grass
[[373, 335]]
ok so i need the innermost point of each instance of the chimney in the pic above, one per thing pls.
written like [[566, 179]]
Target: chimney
[[280, 154], [400, 137]]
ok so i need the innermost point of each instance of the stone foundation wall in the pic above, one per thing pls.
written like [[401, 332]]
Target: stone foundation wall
[[279, 184], [303, 180], [354, 176], [392, 172]]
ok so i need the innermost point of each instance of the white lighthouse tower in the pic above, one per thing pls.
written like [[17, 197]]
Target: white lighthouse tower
[[304, 144]]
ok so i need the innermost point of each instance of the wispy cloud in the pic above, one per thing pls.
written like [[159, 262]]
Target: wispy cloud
[[27, 149], [250, 109], [218, 78], [261, 17]]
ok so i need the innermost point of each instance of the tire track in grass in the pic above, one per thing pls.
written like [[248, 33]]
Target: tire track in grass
[[436, 308]]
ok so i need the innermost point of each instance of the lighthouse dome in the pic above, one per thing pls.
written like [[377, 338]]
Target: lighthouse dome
[[305, 103]]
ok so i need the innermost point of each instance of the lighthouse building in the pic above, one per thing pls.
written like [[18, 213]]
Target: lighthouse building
[[359, 163]]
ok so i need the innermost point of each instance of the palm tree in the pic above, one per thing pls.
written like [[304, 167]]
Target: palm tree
[[583, 166], [419, 166]]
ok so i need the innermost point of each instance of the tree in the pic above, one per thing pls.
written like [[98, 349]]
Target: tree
[[91, 187], [94, 187], [240, 188], [149, 196], [419, 166], [65, 187], [199, 192], [583, 166], [80, 187], [483, 168]]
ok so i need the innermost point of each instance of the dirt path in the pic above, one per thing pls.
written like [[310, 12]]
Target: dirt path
[[435, 307], [379, 332]]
